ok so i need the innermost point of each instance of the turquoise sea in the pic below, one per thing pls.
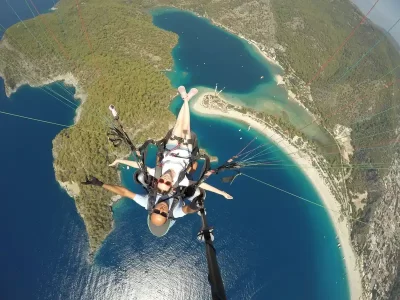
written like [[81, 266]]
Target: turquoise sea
[[270, 245], [235, 65]]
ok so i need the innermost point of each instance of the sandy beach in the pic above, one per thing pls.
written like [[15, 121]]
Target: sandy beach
[[302, 159], [263, 53]]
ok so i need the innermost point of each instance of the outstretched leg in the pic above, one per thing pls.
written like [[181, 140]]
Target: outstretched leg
[[177, 130], [182, 125]]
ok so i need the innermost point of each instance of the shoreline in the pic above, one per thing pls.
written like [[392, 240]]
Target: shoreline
[[68, 79], [263, 53], [271, 59], [317, 180]]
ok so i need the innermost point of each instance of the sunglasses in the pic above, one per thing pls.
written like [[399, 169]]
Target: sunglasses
[[166, 182], [158, 212]]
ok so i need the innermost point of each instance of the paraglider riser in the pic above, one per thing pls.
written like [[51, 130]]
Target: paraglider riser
[[214, 273]]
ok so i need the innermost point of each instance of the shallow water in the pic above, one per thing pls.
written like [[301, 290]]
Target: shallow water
[[270, 245], [210, 55]]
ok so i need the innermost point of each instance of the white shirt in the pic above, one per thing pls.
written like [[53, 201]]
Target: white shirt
[[142, 200], [177, 164], [176, 168]]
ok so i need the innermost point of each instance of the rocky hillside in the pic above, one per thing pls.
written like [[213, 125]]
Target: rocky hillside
[[356, 96], [356, 92]]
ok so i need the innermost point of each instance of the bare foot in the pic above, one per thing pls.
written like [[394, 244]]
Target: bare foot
[[191, 94], [182, 92]]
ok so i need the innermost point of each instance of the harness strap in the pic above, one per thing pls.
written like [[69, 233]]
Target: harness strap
[[151, 203], [183, 141], [161, 144], [161, 150], [175, 202], [179, 193]]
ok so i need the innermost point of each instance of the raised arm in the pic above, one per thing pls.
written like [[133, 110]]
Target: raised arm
[[210, 188], [130, 163], [119, 190]]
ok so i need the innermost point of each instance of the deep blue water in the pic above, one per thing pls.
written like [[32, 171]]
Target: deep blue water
[[37, 219], [210, 56], [21, 7], [270, 245], [223, 54]]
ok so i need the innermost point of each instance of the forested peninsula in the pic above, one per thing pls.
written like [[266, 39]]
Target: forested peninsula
[[124, 65]]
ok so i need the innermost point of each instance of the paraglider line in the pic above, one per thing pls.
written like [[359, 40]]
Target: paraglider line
[[342, 45], [301, 198], [246, 146], [368, 52], [23, 23], [65, 53], [266, 152], [19, 45], [83, 25], [391, 71], [389, 84], [33, 119], [45, 88], [33, 14]]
